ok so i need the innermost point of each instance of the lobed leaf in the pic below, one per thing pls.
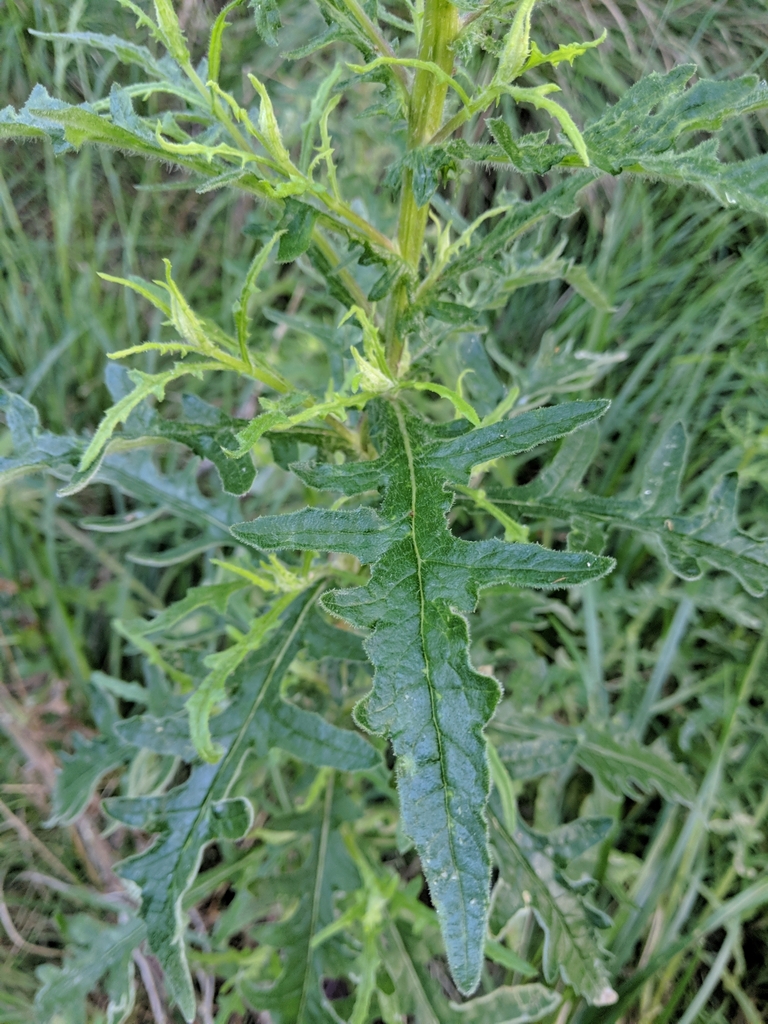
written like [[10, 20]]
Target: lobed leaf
[[202, 810], [359, 532], [267, 18], [89, 761], [624, 765], [426, 696], [640, 132], [509, 1004], [712, 536], [297, 993], [571, 947], [125, 51], [209, 433], [620, 762], [35, 450], [97, 953]]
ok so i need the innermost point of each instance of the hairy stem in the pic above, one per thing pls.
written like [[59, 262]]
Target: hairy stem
[[439, 29]]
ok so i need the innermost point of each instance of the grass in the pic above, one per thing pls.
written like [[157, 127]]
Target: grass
[[687, 282]]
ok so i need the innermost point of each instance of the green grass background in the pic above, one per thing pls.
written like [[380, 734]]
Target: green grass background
[[688, 281]]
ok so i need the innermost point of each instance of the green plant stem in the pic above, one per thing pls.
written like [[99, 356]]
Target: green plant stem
[[439, 29], [376, 38]]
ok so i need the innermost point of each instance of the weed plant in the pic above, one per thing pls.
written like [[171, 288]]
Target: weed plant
[[500, 755]]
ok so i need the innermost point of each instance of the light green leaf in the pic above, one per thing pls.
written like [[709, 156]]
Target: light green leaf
[[538, 97], [517, 45], [578, 278], [217, 39], [560, 201], [308, 890], [501, 954], [135, 473], [569, 841], [35, 450], [147, 385], [569, 52], [173, 36], [212, 689], [125, 51], [80, 125], [270, 130], [167, 736], [743, 184], [276, 419], [528, 759], [530, 154], [132, 692], [461, 405], [210, 595], [30, 121], [426, 696], [621, 763], [240, 308]]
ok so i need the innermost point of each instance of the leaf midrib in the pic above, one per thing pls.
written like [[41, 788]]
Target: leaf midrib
[[234, 749], [430, 685]]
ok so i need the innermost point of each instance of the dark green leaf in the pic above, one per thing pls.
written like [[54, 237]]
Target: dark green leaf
[[326, 641], [509, 437], [297, 221], [384, 284], [267, 18], [210, 434], [426, 696], [200, 810], [359, 532]]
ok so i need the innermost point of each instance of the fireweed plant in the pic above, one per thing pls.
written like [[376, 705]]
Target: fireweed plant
[[398, 416]]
